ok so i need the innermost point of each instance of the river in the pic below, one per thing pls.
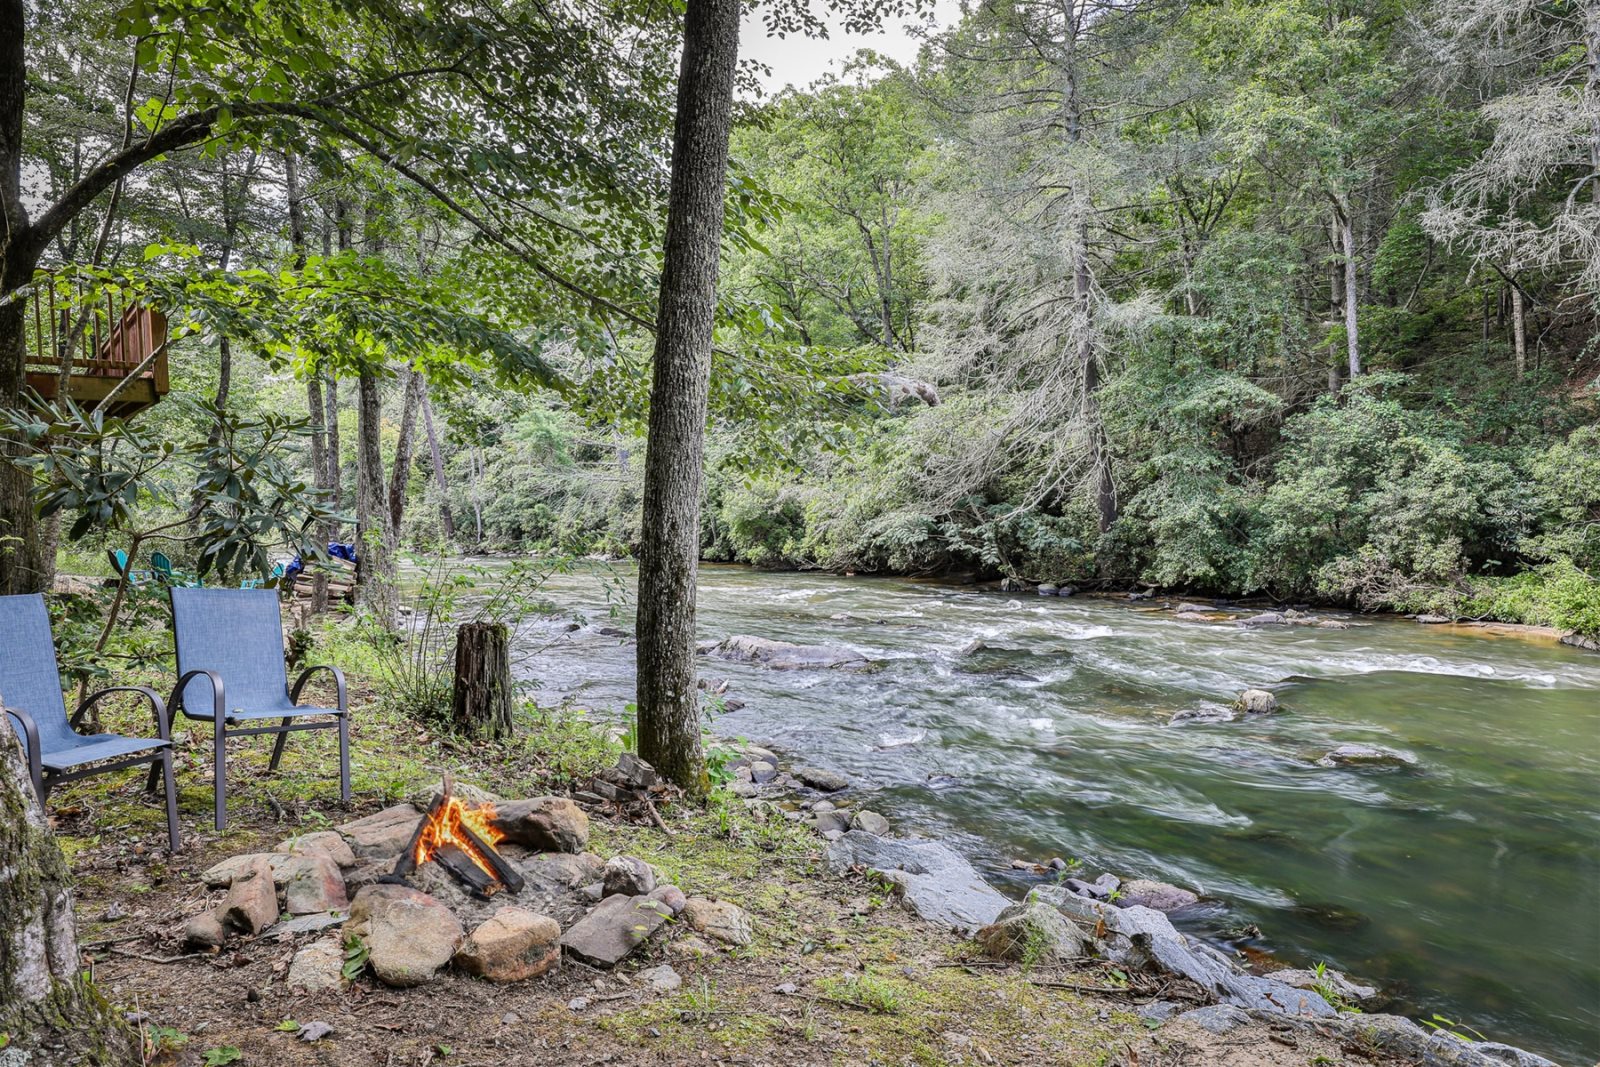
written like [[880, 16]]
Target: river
[[1468, 887]]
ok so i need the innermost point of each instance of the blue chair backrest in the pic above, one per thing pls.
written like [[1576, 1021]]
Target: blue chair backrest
[[29, 680], [239, 634], [161, 563], [119, 560]]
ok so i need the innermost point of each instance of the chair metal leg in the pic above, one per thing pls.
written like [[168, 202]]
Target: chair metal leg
[[277, 746], [172, 798], [344, 758], [220, 754]]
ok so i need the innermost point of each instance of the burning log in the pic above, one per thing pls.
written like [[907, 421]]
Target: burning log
[[459, 863], [461, 839]]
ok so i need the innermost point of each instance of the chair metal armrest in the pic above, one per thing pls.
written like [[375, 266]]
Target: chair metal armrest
[[219, 703], [30, 734], [338, 684], [157, 705]]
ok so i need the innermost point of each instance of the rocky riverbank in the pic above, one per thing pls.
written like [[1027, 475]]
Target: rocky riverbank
[[1121, 923]]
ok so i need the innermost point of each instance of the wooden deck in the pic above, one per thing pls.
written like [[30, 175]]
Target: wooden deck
[[108, 341]]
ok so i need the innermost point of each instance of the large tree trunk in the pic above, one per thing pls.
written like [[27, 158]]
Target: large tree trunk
[[669, 551], [49, 1011], [480, 704], [400, 477], [22, 568], [445, 521], [374, 537]]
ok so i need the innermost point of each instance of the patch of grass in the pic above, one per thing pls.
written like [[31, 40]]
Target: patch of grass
[[864, 991]]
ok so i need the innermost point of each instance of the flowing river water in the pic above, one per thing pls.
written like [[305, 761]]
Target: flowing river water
[[1467, 887]]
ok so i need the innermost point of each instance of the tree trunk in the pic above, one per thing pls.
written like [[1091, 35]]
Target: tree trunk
[[1519, 330], [50, 1012], [669, 551], [335, 455], [400, 477], [1352, 291], [480, 705], [445, 521], [22, 568], [374, 537]]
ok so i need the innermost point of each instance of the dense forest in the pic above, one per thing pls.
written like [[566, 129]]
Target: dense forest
[[1289, 298]]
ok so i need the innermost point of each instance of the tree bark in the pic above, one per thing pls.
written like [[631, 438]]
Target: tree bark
[[400, 477], [335, 455], [669, 721], [375, 589], [315, 408], [22, 567], [445, 521], [1519, 330], [1352, 291], [480, 704], [50, 1012]]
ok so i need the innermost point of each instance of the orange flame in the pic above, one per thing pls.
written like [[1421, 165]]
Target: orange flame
[[444, 828]]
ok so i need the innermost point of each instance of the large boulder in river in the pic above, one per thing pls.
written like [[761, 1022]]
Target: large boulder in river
[[1162, 896], [782, 655], [1257, 702], [932, 879]]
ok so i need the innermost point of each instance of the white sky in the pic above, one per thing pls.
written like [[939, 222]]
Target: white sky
[[797, 60]]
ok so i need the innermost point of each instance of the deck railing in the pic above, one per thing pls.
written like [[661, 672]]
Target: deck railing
[[106, 338]]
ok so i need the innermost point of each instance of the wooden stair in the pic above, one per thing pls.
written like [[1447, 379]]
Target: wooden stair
[[107, 341]]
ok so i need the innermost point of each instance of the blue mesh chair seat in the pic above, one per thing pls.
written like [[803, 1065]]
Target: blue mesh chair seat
[[231, 671], [30, 692]]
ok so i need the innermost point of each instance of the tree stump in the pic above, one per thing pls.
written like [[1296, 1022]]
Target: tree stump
[[481, 703], [50, 1012]]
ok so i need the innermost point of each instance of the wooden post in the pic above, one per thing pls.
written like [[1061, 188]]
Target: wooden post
[[481, 703]]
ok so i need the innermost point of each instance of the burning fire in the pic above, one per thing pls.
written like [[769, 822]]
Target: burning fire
[[445, 827]]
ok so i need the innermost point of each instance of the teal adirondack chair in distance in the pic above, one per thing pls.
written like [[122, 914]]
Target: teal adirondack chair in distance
[[170, 576]]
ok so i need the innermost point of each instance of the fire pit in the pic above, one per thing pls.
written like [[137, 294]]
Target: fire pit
[[461, 838]]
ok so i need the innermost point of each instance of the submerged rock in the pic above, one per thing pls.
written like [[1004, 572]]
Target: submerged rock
[[1366, 756], [1205, 713], [782, 655], [1266, 618], [825, 780], [1145, 893], [933, 880]]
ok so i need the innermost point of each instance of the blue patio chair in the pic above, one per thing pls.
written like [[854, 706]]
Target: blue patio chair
[[30, 690], [231, 671]]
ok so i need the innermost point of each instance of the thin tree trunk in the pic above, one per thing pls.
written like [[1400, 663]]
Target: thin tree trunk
[[400, 477], [446, 523], [1519, 330], [335, 455], [1352, 290], [669, 720], [50, 1012], [375, 590], [315, 408]]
